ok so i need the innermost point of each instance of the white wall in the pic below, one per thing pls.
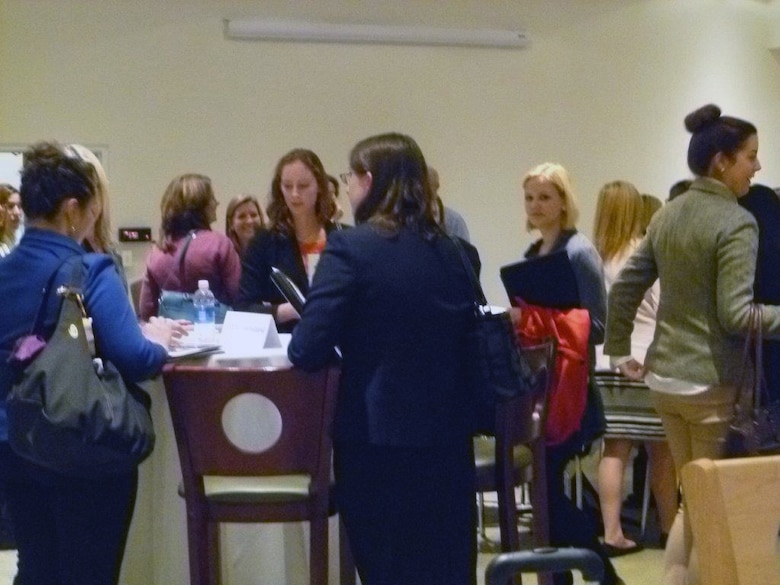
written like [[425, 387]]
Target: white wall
[[159, 86]]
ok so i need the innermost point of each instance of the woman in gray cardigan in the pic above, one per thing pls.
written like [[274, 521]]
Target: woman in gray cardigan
[[703, 247]]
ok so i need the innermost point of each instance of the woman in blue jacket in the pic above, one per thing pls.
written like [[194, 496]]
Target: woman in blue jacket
[[69, 529], [394, 295]]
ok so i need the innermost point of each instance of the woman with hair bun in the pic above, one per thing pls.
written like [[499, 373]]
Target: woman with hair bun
[[693, 363]]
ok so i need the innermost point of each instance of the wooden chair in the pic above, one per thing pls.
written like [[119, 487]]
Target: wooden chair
[[254, 446], [517, 453], [734, 511]]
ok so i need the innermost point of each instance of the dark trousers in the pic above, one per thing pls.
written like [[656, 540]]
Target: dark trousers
[[570, 526], [409, 512], [70, 531]]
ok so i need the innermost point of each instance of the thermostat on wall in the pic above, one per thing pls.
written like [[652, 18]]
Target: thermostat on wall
[[135, 234]]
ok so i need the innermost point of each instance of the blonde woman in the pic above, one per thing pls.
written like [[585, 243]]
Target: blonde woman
[[243, 219], [618, 228], [552, 210], [6, 234]]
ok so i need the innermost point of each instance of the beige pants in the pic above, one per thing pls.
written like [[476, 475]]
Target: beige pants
[[695, 427]]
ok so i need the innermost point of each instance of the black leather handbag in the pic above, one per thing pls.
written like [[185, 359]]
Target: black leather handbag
[[499, 369], [755, 428], [69, 410]]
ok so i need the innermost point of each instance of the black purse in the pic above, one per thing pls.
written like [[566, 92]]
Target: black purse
[[68, 410], [499, 369], [755, 428]]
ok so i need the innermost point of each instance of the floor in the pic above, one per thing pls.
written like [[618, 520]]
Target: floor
[[642, 568]]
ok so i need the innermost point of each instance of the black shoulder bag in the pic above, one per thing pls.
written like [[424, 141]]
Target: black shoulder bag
[[499, 369], [69, 410], [755, 428]]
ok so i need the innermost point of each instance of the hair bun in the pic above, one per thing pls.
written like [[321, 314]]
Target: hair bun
[[704, 116]]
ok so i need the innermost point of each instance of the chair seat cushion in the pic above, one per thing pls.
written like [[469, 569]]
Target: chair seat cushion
[[484, 459], [253, 489]]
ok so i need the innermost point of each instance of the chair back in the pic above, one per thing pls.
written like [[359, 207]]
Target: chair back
[[734, 511], [520, 421], [258, 423]]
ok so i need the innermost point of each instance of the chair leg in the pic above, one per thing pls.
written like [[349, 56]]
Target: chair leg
[[201, 547], [481, 516], [346, 561], [215, 553], [578, 479], [645, 501], [318, 551]]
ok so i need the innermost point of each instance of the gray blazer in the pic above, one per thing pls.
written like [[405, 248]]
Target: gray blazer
[[703, 247]]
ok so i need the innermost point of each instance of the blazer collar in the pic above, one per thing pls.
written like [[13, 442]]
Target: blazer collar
[[713, 187]]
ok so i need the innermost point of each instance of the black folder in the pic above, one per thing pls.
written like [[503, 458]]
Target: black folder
[[546, 281], [288, 289]]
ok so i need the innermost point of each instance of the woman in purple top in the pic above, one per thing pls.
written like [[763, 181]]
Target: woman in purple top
[[189, 207]]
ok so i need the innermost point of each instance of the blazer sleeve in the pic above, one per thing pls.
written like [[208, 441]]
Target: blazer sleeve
[[254, 282], [118, 336], [326, 310], [638, 274]]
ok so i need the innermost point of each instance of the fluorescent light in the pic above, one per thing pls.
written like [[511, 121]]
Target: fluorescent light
[[274, 30]]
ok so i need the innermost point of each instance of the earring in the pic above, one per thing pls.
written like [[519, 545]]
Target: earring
[[72, 229]]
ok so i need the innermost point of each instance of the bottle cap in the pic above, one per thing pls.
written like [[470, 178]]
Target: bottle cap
[[203, 285]]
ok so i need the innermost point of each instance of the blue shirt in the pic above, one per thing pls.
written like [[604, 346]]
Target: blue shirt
[[23, 275]]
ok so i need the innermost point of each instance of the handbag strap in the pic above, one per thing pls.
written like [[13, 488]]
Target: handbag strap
[[191, 235], [749, 392], [479, 295], [76, 281]]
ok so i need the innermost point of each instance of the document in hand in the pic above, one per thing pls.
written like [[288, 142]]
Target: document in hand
[[545, 281], [288, 289]]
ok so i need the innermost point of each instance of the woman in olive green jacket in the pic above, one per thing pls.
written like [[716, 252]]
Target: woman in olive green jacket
[[703, 248]]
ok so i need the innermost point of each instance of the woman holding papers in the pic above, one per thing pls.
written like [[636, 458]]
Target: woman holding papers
[[299, 217], [394, 295], [551, 208], [702, 246]]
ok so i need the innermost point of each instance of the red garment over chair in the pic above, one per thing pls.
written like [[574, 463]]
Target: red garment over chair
[[571, 329]]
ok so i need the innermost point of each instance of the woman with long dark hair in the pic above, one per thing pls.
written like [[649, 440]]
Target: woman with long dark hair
[[394, 296], [299, 224]]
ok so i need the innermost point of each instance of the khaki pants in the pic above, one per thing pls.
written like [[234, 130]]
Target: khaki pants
[[695, 427]]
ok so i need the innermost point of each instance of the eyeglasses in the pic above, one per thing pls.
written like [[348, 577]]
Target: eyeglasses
[[345, 176]]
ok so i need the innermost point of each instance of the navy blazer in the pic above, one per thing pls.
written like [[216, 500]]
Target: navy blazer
[[271, 248], [400, 308]]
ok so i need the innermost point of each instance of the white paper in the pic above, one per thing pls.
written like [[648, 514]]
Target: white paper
[[245, 333]]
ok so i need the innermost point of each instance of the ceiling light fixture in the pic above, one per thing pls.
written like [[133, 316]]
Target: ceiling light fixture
[[297, 31]]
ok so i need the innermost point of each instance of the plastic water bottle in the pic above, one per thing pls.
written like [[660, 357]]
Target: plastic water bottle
[[205, 311]]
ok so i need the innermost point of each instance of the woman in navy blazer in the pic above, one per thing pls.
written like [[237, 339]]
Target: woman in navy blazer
[[393, 294], [299, 215]]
